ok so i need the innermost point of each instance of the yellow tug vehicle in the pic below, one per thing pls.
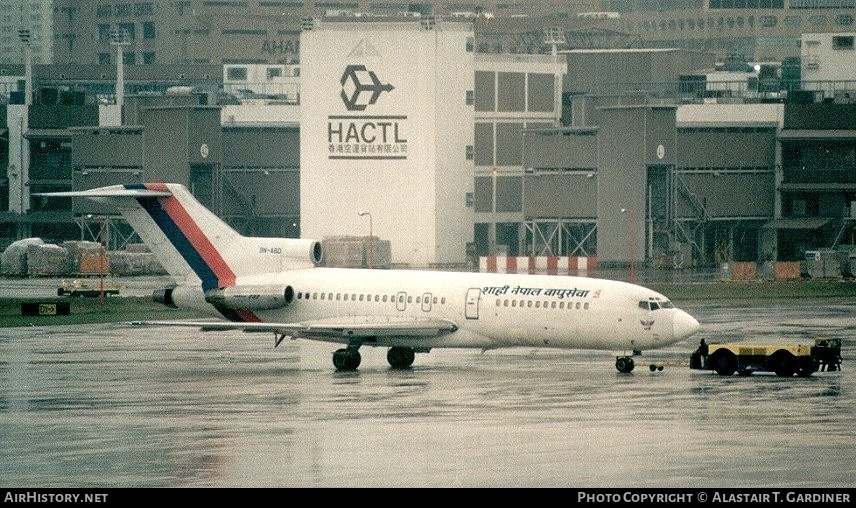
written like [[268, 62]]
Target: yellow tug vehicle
[[785, 360]]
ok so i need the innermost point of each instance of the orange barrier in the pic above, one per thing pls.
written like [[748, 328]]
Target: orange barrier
[[744, 271], [786, 270], [549, 265]]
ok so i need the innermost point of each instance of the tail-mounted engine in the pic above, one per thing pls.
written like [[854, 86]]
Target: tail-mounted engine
[[261, 297]]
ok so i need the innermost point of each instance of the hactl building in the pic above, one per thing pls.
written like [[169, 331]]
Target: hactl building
[[399, 129]]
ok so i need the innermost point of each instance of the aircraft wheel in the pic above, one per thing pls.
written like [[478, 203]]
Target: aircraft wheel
[[346, 359], [400, 357], [624, 364]]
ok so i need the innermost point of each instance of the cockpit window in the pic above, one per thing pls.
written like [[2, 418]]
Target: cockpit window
[[655, 304]]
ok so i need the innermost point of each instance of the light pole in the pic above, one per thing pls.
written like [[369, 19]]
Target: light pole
[[632, 216], [492, 232], [371, 238], [119, 38], [25, 35], [553, 37]]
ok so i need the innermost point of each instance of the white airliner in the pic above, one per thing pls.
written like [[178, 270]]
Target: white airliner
[[275, 285]]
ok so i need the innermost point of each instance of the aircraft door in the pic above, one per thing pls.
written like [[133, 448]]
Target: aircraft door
[[426, 302], [401, 301], [472, 303]]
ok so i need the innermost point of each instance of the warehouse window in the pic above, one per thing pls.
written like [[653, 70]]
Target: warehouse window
[[842, 42], [236, 73]]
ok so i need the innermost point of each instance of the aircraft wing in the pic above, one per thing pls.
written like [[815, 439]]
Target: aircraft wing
[[348, 327]]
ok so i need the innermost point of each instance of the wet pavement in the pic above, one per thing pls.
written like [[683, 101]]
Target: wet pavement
[[106, 406]]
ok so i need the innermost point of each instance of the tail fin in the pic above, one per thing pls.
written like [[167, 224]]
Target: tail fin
[[193, 244]]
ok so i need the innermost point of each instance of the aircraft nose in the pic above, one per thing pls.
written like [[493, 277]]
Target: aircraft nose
[[684, 325]]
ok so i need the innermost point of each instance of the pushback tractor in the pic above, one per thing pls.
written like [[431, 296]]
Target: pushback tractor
[[784, 360]]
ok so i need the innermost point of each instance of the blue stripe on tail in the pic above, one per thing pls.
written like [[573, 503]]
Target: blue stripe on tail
[[180, 242]]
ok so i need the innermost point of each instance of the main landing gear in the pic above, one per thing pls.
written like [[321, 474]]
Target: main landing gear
[[348, 358], [625, 364]]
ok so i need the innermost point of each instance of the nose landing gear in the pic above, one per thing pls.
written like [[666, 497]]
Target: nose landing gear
[[624, 364]]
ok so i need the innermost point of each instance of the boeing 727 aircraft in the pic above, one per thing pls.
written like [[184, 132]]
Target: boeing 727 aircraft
[[276, 285]]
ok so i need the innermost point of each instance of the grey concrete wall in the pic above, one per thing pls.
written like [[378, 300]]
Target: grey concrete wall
[[725, 147], [553, 150], [277, 147], [560, 196], [732, 194], [106, 148]]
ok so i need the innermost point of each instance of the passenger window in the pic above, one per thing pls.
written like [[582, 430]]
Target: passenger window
[[338, 296], [384, 298], [553, 305], [505, 303], [322, 296], [537, 305], [498, 302], [377, 298], [514, 303], [435, 300], [330, 296], [314, 296], [529, 304], [443, 300], [354, 297], [361, 297], [578, 305], [586, 306], [346, 297], [561, 305], [409, 299]]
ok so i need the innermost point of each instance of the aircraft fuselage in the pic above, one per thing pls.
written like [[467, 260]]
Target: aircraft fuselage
[[490, 310]]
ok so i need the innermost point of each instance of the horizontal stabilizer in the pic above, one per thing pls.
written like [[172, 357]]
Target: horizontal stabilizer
[[117, 191]]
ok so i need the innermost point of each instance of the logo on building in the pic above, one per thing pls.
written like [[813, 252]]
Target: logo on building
[[361, 87], [360, 135]]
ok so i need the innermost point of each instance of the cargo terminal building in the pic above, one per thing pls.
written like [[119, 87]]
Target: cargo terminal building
[[451, 155]]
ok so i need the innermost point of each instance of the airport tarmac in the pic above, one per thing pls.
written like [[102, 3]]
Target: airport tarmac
[[108, 406]]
